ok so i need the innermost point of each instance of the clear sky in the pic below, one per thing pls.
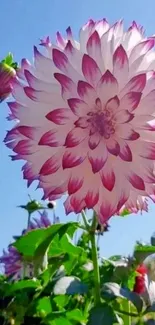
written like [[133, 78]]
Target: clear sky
[[22, 24]]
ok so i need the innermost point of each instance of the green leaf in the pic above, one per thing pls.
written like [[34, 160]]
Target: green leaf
[[36, 242], [76, 314], [60, 321], [69, 247], [114, 289], [63, 229], [69, 285], [103, 315], [61, 301], [64, 245], [70, 264], [23, 284], [47, 275], [44, 306], [143, 251], [125, 213], [8, 59]]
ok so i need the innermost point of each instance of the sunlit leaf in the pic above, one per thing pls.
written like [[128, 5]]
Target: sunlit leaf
[[69, 285], [23, 284], [117, 291]]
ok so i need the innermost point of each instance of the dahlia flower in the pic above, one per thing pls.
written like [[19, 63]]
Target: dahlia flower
[[7, 75], [85, 118], [12, 260]]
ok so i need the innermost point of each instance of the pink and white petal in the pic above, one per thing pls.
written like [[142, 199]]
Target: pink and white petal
[[77, 201], [90, 70], [38, 84], [136, 181], [51, 165], [132, 37], [41, 96], [92, 197], [107, 87], [60, 41], [82, 122], [141, 49], [113, 104], [62, 63], [94, 49], [143, 122], [78, 106], [58, 190], [74, 157], [136, 84], [70, 36], [87, 93], [75, 182], [68, 206], [61, 116], [126, 132], [39, 159], [125, 152], [75, 57], [15, 109], [75, 137], [146, 105], [19, 94], [12, 135], [123, 116], [130, 101], [29, 132], [113, 146], [107, 210], [28, 173], [101, 26], [85, 33], [94, 140], [98, 157], [25, 147], [68, 87], [117, 35], [150, 82], [146, 149], [25, 65], [106, 49], [54, 184], [123, 198], [108, 177], [45, 67], [120, 66], [54, 138], [145, 169]]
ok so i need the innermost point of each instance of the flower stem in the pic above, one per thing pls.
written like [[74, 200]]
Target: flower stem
[[85, 220], [29, 219], [97, 296], [91, 229]]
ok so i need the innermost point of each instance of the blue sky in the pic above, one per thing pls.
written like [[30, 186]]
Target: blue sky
[[22, 24]]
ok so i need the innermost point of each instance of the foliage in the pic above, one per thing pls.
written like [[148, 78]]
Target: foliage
[[61, 291]]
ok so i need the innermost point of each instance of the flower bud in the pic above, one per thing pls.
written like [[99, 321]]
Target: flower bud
[[7, 74]]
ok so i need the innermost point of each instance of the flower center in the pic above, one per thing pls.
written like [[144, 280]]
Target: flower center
[[102, 123]]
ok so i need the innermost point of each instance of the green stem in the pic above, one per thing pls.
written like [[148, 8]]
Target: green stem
[[85, 220], [91, 230], [126, 311], [29, 219], [97, 296]]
